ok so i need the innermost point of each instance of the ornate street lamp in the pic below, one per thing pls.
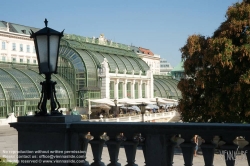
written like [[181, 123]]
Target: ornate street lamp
[[157, 101], [143, 105], [116, 110], [47, 43]]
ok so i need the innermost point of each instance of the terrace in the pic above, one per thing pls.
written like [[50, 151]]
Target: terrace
[[157, 140]]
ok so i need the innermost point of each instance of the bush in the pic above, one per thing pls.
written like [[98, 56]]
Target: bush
[[3, 162]]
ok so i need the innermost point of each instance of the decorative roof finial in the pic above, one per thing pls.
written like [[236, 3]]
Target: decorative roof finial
[[46, 22]]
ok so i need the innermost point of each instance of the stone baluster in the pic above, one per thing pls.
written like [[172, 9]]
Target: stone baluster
[[246, 149], [229, 149], [130, 146], [113, 145], [78, 143], [207, 147], [155, 150], [187, 148], [97, 147], [84, 140], [170, 143]]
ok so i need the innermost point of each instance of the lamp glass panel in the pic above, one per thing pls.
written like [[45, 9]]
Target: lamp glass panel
[[54, 43], [42, 53]]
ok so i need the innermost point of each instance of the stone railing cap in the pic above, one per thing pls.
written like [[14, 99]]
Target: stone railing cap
[[49, 119]]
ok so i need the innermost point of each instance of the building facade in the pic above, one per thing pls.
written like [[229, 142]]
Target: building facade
[[153, 60], [165, 67], [178, 71], [88, 68]]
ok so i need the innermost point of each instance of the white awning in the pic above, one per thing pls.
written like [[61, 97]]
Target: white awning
[[128, 101], [104, 101]]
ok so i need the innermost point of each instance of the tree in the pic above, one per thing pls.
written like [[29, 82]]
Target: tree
[[217, 86]]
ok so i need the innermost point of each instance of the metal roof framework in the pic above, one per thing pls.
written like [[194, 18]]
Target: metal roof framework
[[21, 84], [166, 87], [86, 57]]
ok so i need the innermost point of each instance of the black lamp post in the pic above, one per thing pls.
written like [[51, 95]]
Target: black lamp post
[[47, 43], [116, 110], [157, 103], [143, 105]]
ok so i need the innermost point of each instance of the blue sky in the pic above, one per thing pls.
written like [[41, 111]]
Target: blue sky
[[163, 26]]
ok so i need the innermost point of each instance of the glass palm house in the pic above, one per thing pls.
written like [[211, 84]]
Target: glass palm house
[[79, 65]]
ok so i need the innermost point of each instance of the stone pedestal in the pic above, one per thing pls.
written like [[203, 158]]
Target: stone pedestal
[[46, 139]]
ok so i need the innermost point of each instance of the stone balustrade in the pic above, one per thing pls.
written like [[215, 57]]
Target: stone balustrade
[[156, 139], [148, 117]]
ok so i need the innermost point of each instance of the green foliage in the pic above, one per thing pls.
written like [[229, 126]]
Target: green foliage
[[7, 164], [217, 87], [3, 162]]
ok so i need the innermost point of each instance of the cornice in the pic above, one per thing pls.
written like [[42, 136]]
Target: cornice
[[16, 36]]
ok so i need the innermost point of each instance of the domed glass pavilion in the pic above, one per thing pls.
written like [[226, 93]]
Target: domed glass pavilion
[[88, 68]]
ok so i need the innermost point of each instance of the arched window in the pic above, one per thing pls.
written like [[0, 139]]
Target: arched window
[[120, 90], [129, 90]]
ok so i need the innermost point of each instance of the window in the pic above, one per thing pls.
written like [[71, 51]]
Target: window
[[28, 61], [112, 90], [3, 45], [21, 60], [13, 59], [120, 90], [129, 90], [136, 90], [13, 46], [143, 90], [34, 50], [21, 47], [3, 58], [28, 48], [34, 61]]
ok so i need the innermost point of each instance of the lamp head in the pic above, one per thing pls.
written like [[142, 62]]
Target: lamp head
[[47, 42]]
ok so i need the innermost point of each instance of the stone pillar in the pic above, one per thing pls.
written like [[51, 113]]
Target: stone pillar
[[130, 146], [229, 149], [113, 145], [151, 85], [105, 79], [246, 149], [154, 150], [207, 148], [45, 135], [140, 89], [170, 144], [125, 89], [132, 89], [116, 89], [97, 147], [187, 148], [105, 88], [148, 89], [84, 141]]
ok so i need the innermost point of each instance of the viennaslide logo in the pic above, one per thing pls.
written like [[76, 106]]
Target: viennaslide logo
[[236, 155]]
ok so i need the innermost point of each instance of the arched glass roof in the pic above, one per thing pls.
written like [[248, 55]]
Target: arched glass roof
[[118, 56], [120, 64], [24, 84], [29, 89], [84, 65], [11, 86], [166, 87], [128, 64], [86, 57], [73, 57]]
